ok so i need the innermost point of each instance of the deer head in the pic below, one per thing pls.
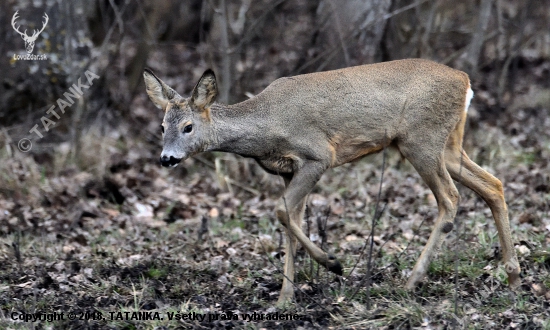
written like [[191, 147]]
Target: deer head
[[187, 125], [29, 40]]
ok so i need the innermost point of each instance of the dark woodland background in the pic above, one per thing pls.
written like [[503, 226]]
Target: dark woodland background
[[88, 218]]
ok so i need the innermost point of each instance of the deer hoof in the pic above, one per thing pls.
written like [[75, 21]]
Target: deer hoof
[[514, 280], [334, 265]]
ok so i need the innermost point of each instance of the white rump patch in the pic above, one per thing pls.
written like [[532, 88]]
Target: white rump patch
[[469, 95]]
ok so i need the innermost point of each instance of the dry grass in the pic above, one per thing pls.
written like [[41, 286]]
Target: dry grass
[[110, 231]]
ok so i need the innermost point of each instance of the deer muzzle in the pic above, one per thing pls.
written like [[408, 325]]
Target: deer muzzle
[[171, 161]]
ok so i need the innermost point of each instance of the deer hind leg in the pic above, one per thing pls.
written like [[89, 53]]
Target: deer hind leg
[[468, 173], [432, 169]]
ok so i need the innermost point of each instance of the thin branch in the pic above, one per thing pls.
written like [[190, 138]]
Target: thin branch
[[118, 17], [148, 27], [203, 229], [242, 186], [504, 73], [478, 37], [291, 282], [252, 29], [352, 32], [457, 237], [339, 31], [361, 253], [226, 58], [404, 250], [308, 223], [376, 216], [461, 51]]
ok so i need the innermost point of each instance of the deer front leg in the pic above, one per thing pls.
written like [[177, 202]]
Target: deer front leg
[[291, 217], [287, 291]]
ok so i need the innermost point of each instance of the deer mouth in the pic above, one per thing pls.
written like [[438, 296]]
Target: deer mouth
[[169, 161]]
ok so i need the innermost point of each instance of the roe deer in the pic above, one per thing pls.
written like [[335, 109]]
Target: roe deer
[[300, 126]]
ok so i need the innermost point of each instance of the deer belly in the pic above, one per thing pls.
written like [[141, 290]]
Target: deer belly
[[284, 164]]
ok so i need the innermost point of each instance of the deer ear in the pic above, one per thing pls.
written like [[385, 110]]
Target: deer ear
[[158, 91], [206, 90]]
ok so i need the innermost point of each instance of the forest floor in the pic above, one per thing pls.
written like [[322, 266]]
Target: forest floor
[[199, 247]]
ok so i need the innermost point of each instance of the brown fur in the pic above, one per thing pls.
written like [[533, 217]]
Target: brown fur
[[298, 127]]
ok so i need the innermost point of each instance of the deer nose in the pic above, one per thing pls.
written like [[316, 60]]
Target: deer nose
[[169, 161]]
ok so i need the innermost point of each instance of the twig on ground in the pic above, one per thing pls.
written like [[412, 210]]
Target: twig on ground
[[203, 229], [375, 217], [292, 282]]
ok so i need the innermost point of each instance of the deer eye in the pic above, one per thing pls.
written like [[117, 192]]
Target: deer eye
[[188, 128], [162, 129]]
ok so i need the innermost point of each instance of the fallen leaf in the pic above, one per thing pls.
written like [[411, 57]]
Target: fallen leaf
[[523, 250], [214, 213]]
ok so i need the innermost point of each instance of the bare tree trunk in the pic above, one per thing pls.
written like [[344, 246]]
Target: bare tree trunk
[[426, 50], [226, 59], [479, 35], [339, 31], [350, 22]]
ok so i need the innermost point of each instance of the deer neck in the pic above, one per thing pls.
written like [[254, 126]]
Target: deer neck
[[234, 127]]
